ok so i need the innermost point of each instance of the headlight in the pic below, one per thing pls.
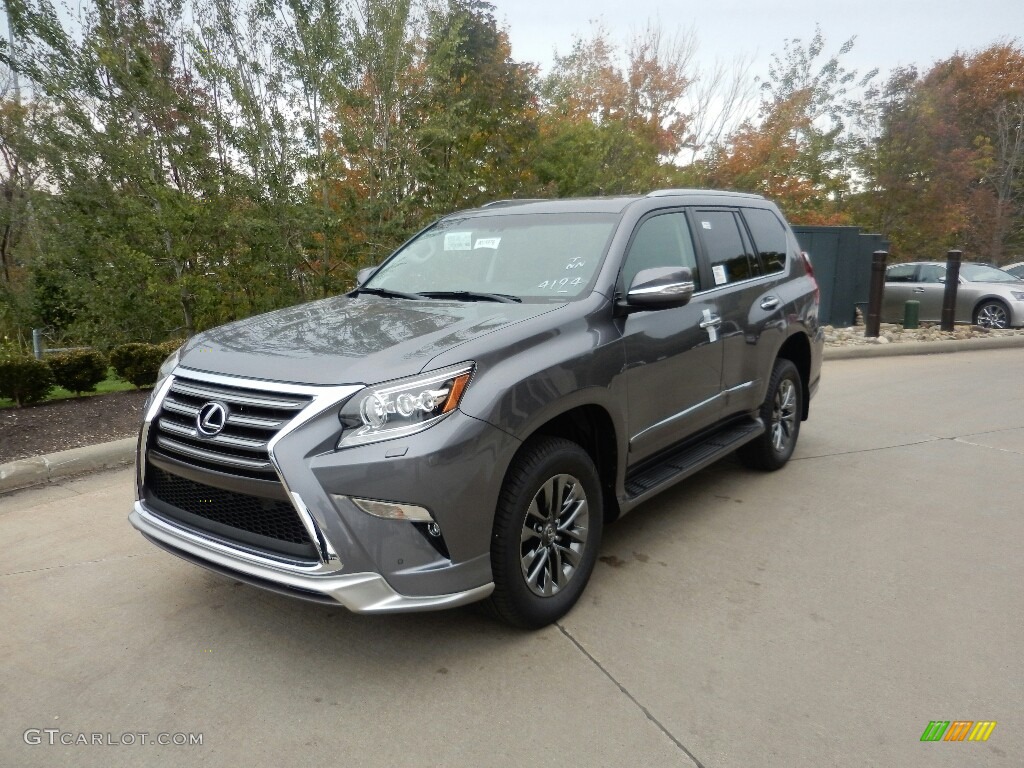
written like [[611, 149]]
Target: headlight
[[403, 407], [1018, 295], [166, 368]]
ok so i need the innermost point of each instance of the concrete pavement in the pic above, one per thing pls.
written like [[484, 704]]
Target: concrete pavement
[[818, 616]]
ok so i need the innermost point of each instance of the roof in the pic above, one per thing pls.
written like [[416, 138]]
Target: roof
[[616, 204]]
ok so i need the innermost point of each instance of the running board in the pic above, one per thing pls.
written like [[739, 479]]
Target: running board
[[682, 462]]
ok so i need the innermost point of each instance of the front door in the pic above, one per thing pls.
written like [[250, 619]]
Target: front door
[[673, 364]]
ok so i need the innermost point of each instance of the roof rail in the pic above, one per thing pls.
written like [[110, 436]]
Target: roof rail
[[705, 192], [503, 203]]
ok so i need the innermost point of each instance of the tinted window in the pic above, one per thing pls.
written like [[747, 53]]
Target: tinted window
[[769, 238], [901, 273], [731, 258], [661, 241], [931, 273]]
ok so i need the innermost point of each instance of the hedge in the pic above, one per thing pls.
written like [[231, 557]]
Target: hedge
[[79, 370], [24, 379], [140, 363]]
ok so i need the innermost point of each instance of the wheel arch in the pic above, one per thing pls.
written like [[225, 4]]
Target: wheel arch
[[797, 349], [991, 299], [591, 427]]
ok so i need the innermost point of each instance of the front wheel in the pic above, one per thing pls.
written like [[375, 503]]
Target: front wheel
[[547, 531], [781, 413], [992, 314]]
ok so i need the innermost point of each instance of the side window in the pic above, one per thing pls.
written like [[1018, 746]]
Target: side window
[[661, 241], [900, 273], [730, 255], [769, 238], [932, 273]]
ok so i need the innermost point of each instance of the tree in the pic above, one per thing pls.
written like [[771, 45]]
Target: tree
[[942, 156], [800, 153]]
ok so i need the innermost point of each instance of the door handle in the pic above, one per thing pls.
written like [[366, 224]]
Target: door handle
[[769, 302], [918, 290], [712, 322]]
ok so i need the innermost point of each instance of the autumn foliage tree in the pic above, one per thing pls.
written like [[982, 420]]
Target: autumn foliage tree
[[942, 162]]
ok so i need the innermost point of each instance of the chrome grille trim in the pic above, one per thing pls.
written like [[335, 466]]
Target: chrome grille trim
[[301, 402], [254, 418], [207, 392], [228, 441], [173, 446], [256, 422]]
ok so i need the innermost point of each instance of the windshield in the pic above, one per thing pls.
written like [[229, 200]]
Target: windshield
[[529, 256], [979, 273]]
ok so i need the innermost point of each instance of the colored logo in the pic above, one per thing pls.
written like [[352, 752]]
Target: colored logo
[[958, 730]]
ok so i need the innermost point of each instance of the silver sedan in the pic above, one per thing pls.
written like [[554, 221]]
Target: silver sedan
[[986, 296]]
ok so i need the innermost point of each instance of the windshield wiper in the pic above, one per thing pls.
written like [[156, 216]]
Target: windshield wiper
[[389, 294], [504, 298]]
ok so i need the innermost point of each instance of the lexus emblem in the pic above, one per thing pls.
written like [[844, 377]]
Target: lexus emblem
[[211, 419]]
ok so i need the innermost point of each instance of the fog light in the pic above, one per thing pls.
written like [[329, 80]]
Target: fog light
[[392, 510]]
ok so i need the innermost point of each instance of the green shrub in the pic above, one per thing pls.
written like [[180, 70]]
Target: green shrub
[[138, 363], [79, 370], [24, 379]]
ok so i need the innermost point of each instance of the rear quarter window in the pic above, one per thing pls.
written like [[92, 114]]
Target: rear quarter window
[[769, 238]]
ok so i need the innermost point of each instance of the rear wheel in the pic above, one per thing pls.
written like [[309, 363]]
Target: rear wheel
[[781, 413], [992, 314], [547, 531]]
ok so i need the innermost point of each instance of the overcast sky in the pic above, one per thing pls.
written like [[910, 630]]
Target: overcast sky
[[889, 33]]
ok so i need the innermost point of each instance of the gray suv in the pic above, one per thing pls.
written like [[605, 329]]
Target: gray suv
[[462, 425]]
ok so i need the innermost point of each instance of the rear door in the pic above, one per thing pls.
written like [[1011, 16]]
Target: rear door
[[746, 297], [928, 290], [900, 286]]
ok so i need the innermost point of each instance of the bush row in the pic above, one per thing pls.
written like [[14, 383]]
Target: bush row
[[27, 380]]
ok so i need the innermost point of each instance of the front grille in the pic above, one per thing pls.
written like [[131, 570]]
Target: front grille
[[265, 523], [240, 448]]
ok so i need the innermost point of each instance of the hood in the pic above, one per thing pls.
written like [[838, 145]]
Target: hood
[[345, 340]]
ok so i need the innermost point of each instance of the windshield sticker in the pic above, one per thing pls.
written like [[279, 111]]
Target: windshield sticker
[[458, 241], [487, 242], [719, 272], [576, 263], [706, 224]]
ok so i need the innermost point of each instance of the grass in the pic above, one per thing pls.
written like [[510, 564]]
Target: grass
[[110, 384]]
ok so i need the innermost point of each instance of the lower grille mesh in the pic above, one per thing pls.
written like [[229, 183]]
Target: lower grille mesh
[[270, 518]]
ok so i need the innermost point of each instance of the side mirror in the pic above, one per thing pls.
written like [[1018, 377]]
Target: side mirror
[[363, 274], [659, 288]]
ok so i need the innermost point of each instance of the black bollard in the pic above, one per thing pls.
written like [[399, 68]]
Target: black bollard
[[949, 295], [874, 316]]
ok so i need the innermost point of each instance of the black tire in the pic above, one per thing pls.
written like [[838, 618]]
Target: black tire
[[562, 533], [781, 413], [992, 314]]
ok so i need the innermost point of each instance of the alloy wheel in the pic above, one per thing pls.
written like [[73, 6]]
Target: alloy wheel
[[783, 424], [554, 535], [993, 316]]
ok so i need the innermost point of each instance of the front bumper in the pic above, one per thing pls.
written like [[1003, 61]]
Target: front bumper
[[365, 563], [359, 592]]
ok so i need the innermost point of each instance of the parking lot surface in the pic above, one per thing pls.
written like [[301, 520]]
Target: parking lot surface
[[822, 615]]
